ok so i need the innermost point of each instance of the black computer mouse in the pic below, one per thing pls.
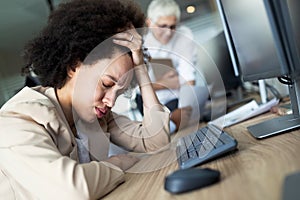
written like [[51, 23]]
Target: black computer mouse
[[185, 180]]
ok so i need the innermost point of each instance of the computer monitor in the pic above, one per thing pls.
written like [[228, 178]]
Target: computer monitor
[[288, 17], [264, 49], [217, 69], [218, 51]]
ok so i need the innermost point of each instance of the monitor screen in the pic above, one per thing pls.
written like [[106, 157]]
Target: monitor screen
[[255, 43], [217, 49], [265, 35], [290, 15]]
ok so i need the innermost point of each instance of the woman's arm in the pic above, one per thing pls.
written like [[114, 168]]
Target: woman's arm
[[133, 40], [153, 132], [32, 160]]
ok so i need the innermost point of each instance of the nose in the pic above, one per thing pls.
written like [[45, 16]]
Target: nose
[[168, 31], [167, 35], [110, 98]]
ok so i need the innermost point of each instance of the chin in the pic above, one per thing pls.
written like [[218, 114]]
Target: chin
[[88, 118], [165, 41], [92, 118]]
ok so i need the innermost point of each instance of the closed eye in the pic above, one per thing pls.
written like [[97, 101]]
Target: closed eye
[[107, 82], [106, 85]]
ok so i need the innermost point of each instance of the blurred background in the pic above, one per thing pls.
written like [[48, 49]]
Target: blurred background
[[22, 20]]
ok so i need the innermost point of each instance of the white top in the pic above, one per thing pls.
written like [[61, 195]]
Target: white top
[[83, 148], [182, 50]]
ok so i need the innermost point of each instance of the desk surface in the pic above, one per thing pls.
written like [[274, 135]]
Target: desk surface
[[255, 171]]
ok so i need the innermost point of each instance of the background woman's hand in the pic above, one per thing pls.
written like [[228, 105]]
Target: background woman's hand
[[181, 117], [169, 80]]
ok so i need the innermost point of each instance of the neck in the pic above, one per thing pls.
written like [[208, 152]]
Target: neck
[[66, 103]]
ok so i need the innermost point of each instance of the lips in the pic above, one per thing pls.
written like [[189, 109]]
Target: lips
[[100, 112]]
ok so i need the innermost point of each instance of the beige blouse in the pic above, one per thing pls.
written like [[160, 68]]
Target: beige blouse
[[38, 152]]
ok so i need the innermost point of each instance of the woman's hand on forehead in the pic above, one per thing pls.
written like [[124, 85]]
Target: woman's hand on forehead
[[132, 40]]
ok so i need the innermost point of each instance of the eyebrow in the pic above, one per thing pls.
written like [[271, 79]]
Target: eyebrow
[[111, 77], [115, 80]]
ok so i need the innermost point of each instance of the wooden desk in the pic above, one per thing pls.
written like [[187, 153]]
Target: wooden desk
[[255, 171]]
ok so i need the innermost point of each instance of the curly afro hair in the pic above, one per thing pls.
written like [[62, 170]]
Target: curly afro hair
[[74, 29]]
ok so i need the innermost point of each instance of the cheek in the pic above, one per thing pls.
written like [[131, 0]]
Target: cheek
[[158, 33], [84, 109], [84, 95], [98, 94], [163, 36]]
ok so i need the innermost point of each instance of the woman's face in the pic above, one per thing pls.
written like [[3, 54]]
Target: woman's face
[[98, 85]]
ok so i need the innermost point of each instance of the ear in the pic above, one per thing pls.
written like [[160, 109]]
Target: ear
[[148, 22], [72, 70]]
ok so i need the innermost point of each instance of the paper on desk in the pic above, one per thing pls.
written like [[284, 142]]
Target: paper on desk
[[242, 113]]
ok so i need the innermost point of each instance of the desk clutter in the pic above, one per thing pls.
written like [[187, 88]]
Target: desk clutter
[[243, 113]]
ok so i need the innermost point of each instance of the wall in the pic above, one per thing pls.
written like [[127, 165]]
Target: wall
[[10, 77]]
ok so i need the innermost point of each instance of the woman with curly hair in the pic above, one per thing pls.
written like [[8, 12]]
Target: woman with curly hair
[[54, 138]]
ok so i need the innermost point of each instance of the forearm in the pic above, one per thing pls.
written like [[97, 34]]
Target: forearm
[[192, 82], [146, 87], [157, 86], [149, 135]]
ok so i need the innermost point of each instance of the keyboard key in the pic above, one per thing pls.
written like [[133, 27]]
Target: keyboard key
[[203, 145]]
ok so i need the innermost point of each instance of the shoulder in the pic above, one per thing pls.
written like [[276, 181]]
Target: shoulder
[[185, 31], [31, 103], [28, 96], [31, 115]]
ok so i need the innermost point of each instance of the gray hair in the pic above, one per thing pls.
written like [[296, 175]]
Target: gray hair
[[162, 8]]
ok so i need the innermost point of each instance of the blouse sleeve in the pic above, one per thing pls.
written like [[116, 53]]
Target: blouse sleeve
[[36, 168], [151, 134]]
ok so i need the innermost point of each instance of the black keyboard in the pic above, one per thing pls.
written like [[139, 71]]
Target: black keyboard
[[203, 145]]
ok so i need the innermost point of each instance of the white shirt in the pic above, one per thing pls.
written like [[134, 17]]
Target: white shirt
[[182, 50], [83, 148]]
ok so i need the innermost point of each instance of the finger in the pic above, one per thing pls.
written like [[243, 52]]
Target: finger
[[134, 32], [124, 43], [124, 36], [187, 109], [171, 74], [129, 40], [128, 35]]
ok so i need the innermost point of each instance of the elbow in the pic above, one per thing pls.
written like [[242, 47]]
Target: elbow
[[158, 142], [101, 178]]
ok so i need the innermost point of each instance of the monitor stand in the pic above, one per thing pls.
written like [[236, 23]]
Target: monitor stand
[[280, 124], [262, 91], [237, 98]]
